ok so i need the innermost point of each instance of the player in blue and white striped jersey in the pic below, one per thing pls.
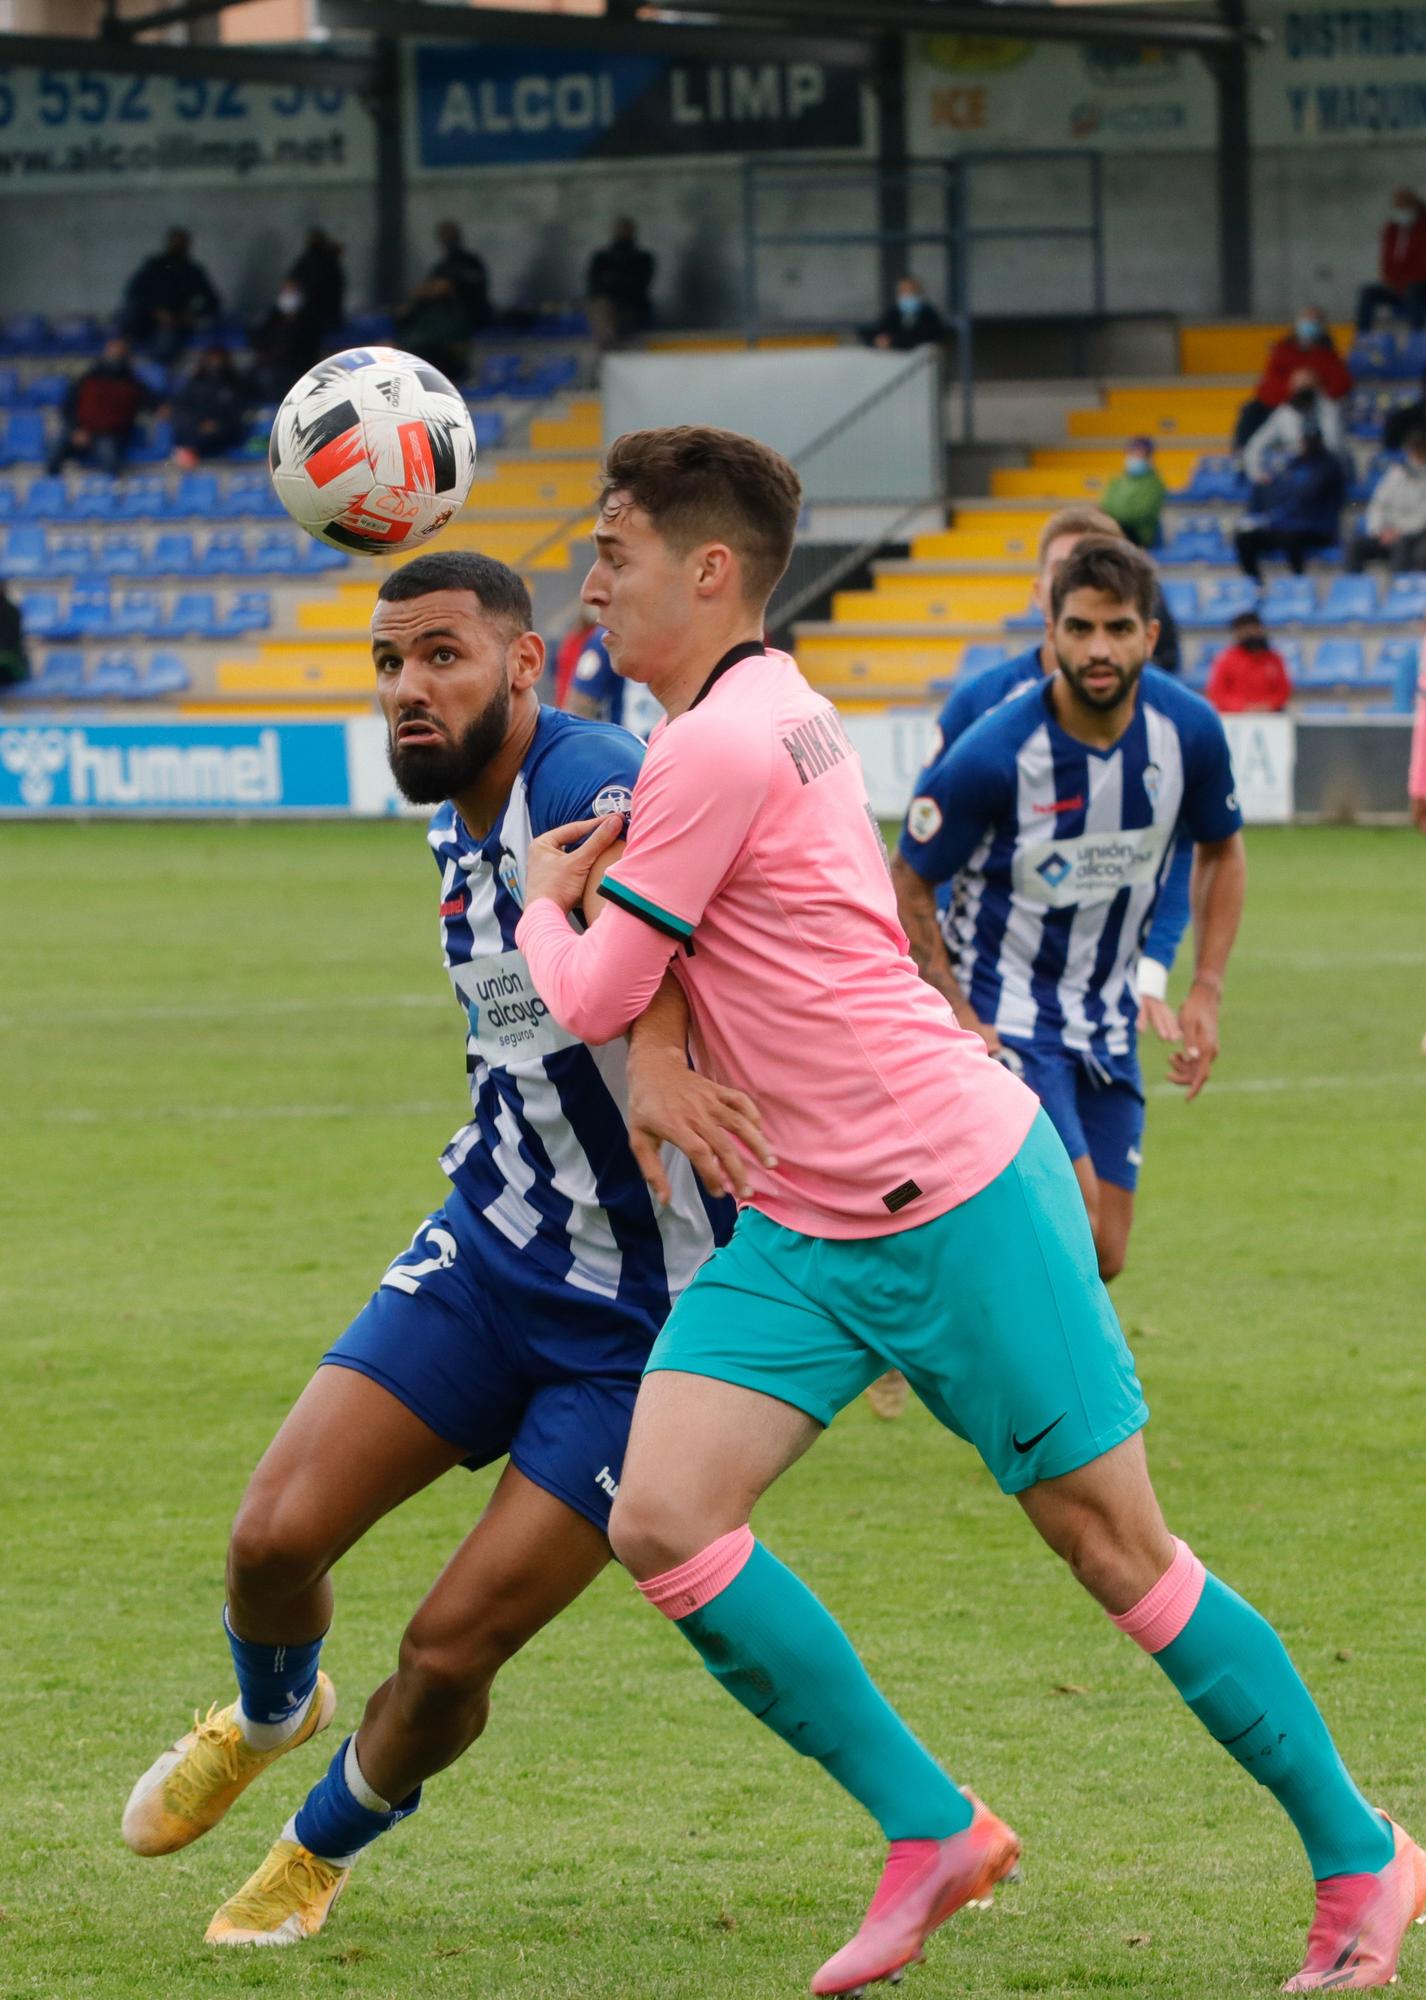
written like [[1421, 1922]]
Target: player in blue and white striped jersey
[[1056, 815], [516, 1325]]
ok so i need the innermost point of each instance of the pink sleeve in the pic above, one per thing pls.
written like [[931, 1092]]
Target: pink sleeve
[[697, 796], [596, 985], [1416, 783]]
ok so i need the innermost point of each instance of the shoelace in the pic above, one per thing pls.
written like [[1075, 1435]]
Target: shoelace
[[214, 1756], [296, 1878]]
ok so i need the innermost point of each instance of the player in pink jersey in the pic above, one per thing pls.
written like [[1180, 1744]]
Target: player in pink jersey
[[909, 1206]]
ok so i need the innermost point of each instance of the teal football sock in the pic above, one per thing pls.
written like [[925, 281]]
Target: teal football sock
[[768, 1641], [1234, 1672]]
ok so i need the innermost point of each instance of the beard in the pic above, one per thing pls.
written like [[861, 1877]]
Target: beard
[[428, 774], [1127, 679]]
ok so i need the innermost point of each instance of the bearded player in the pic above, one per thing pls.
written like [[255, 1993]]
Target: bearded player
[[918, 1209], [515, 1325]]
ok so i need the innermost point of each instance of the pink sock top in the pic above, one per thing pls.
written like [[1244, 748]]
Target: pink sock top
[[1158, 1618], [693, 1584]]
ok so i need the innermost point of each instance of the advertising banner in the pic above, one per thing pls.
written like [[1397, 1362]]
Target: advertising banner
[[482, 106], [216, 769], [1340, 76], [75, 128], [996, 93]]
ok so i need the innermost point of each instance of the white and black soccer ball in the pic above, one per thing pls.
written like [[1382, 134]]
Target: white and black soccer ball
[[372, 450]]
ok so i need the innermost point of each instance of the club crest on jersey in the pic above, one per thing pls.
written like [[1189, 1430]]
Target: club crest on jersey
[[923, 821], [509, 872], [613, 799], [1153, 782]]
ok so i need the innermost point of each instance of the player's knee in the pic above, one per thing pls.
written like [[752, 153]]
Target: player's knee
[[1115, 1567], [646, 1539], [443, 1678], [271, 1552]]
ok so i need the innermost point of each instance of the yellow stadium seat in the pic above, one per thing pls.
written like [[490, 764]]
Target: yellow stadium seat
[[1238, 347], [915, 600], [579, 429], [556, 483], [1056, 485], [1175, 462], [898, 664], [984, 542], [287, 667]]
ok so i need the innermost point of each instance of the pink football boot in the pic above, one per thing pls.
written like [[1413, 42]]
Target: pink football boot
[[1360, 1921], [923, 1883]]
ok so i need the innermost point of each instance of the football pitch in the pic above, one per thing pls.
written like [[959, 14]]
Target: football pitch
[[230, 1059]]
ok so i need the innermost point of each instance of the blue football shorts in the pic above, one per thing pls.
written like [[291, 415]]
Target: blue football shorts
[[498, 1354], [1097, 1108]]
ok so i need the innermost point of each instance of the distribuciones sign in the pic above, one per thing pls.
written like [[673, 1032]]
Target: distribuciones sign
[[1340, 76], [479, 106], [63, 128]]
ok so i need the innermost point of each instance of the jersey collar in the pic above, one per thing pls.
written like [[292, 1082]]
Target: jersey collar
[[746, 649]]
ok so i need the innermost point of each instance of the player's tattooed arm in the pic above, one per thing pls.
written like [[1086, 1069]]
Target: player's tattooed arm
[[916, 906], [670, 1103]]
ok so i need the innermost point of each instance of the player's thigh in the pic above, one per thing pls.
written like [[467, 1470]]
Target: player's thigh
[[528, 1557], [1016, 1346], [1104, 1519]]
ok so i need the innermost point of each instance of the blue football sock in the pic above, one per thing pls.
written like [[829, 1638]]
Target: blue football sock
[[333, 1822], [273, 1681], [1234, 1672], [780, 1653]]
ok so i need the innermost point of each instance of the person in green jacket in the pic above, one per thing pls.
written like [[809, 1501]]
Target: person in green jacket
[[1135, 497]]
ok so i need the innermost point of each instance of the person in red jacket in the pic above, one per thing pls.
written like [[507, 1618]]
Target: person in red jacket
[[1403, 265], [1248, 675], [100, 411], [1309, 349]]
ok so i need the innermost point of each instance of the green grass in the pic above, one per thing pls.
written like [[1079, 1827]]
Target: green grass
[[229, 1062]]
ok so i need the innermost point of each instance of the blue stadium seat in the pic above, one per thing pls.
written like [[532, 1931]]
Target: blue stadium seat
[[1335, 661], [1404, 601], [136, 614], [70, 555], [155, 445], [1349, 600], [193, 616], [366, 330], [115, 674], [1181, 596], [197, 494], [24, 437], [250, 497], [25, 550], [25, 333], [1288, 599], [122, 555], [95, 497], [276, 553], [47, 500], [1290, 651], [1225, 598], [173, 554], [489, 431], [1335, 709], [12, 506], [145, 497], [10, 391], [90, 613], [979, 657], [313, 557], [76, 333], [46, 392], [250, 611], [1195, 674], [166, 675], [224, 554], [1400, 659], [59, 677], [1216, 479], [46, 615], [1200, 542], [1373, 357]]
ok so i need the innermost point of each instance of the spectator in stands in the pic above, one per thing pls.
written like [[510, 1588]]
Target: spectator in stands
[[1404, 418], [168, 298], [1394, 530], [285, 344], [1402, 285], [909, 321], [1299, 510], [621, 276], [1135, 497], [320, 277], [209, 409], [1279, 438], [1249, 675], [14, 659], [1309, 346], [570, 647], [100, 410], [451, 304]]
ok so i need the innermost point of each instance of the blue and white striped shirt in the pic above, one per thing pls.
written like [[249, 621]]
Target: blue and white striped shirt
[[545, 1157]]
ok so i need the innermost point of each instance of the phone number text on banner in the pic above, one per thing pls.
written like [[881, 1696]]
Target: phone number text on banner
[[62, 129]]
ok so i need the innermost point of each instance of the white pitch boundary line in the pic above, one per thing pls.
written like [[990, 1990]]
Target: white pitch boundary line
[[202, 1114]]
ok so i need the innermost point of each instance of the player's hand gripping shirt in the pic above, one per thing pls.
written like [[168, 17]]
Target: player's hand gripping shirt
[[545, 1157], [755, 864], [1061, 851]]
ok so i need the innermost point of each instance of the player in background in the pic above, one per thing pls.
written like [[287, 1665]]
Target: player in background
[[599, 693], [917, 1208], [1057, 816], [517, 1322]]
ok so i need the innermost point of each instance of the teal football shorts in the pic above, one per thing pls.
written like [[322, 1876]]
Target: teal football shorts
[[995, 1312]]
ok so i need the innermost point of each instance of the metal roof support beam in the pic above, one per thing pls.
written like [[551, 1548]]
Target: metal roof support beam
[[1024, 23], [242, 65]]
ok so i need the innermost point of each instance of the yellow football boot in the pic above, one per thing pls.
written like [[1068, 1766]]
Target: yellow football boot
[[288, 1899], [190, 1787]]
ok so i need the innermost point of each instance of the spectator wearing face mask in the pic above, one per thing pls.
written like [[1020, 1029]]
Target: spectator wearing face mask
[[285, 345], [1402, 285], [1279, 438], [1297, 513], [909, 321], [1394, 530], [1248, 675], [1135, 497], [1309, 349], [209, 410]]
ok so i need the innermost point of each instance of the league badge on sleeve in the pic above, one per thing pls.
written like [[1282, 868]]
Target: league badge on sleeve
[[614, 798], [923, 820]]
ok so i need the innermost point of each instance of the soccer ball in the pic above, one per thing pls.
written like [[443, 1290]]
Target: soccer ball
[[372, 450]]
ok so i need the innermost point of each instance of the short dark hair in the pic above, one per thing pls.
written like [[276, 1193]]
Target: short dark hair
[[698, 484], [501, 591], [1414, 434], [1243, 621], [1117, 568]]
